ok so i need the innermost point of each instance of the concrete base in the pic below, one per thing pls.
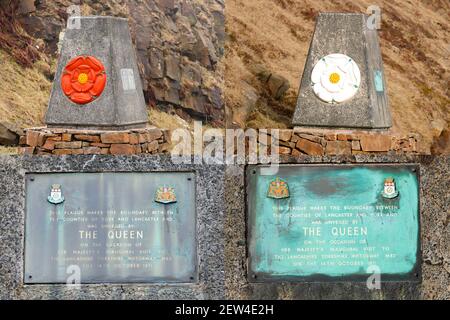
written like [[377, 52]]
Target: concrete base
[[221, 214], [209, 202]]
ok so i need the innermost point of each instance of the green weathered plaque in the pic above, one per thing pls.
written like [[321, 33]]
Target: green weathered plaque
[[333, 223]]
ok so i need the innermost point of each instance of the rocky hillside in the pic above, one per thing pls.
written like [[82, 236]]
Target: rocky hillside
[[179, 46], [269, 41]]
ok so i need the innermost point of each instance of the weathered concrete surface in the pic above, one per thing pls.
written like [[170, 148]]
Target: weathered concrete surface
[[434, 175], [120, 105], [348, 34], [210, 238]]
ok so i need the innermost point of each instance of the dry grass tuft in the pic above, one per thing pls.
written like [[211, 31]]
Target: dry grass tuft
[[24, 92]]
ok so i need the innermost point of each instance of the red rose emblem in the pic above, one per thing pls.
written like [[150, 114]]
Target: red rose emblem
[[83, 79]]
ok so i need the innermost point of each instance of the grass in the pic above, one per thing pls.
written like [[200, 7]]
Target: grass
[[164, 120], [259, 120], [24, 92]]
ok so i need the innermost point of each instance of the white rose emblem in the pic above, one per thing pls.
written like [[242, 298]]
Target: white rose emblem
[[335, 78]]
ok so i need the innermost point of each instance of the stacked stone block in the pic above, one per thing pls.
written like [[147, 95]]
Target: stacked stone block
[[73, 141], [319, 142]]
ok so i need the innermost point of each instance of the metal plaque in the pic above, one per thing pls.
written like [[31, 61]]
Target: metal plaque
[[338, 222], [110, 228], [378, 80], [127, 76]]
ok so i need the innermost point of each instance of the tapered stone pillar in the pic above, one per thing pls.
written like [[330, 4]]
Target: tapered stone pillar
[[343, 83], [97, 83]]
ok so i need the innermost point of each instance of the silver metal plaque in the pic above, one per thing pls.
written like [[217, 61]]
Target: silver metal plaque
[[110, 228], [127, 76]]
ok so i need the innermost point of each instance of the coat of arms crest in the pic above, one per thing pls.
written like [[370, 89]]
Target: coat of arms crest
[[389, 191], [165, 195], [55, 196], [278, 189]]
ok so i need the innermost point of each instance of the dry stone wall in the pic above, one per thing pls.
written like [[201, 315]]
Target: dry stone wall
[[319, 142], [45, 141]]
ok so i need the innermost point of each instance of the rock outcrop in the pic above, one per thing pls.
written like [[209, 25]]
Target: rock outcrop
[[9, 134], [441, 144]]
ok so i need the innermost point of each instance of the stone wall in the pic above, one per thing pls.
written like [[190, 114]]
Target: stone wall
[[318, 142], [46, 141], [295, 142]]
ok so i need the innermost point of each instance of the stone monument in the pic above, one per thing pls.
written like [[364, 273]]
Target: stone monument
[[97, 103], [343, 84], [97, 82]]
